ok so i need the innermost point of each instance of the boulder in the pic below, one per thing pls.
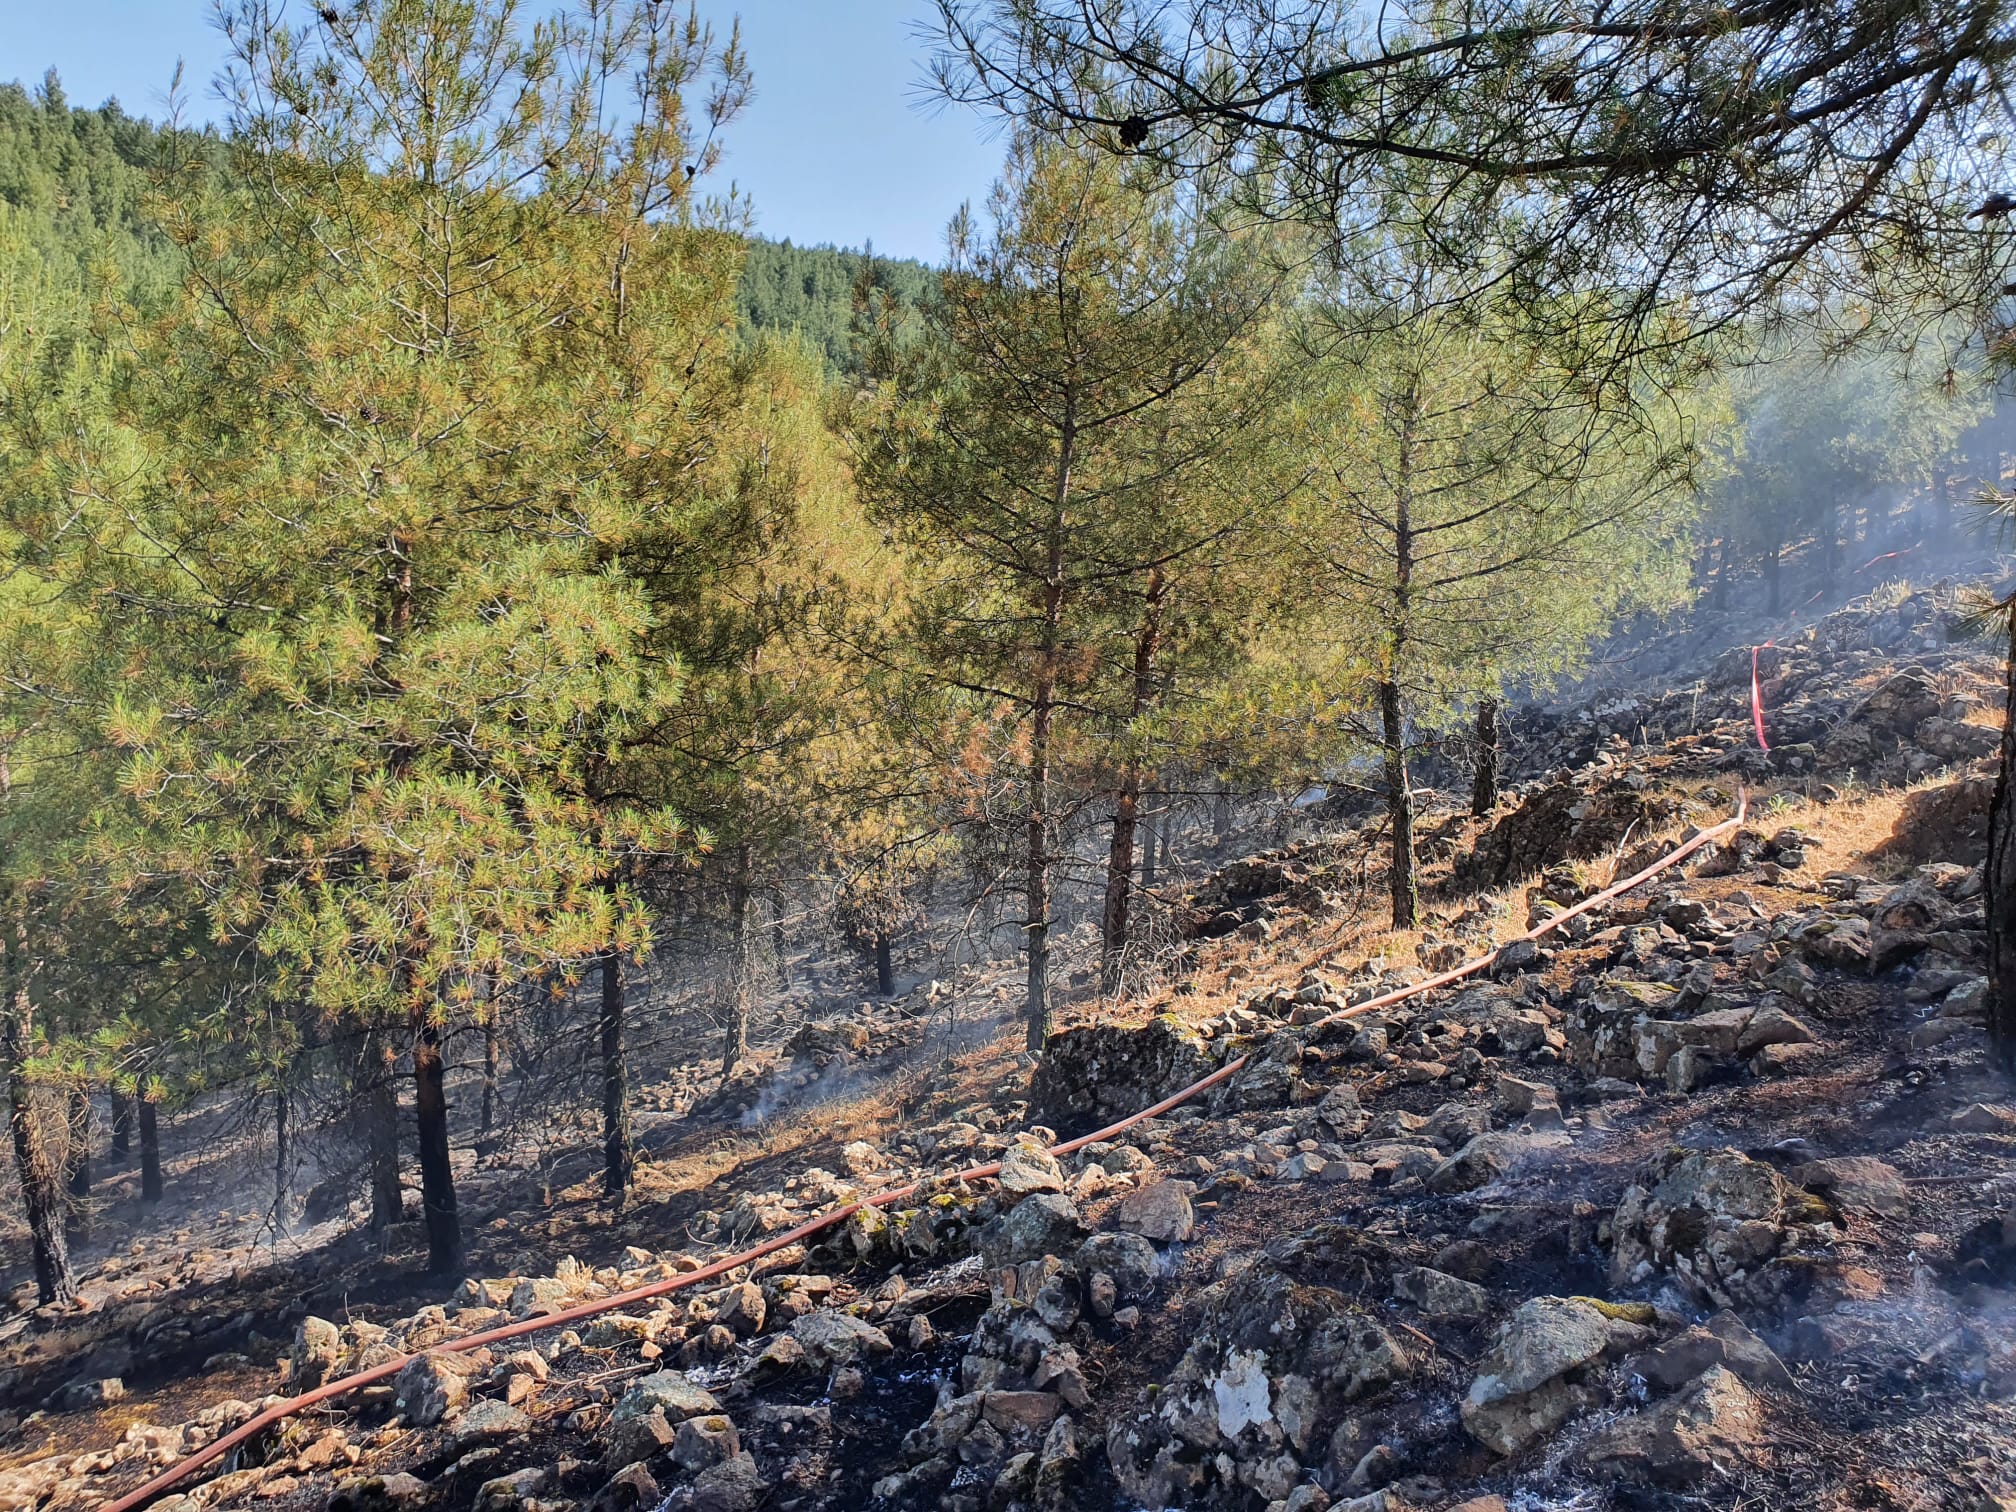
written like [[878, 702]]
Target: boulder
[[1858, 1183], [734, 1485], [1043, 1223], [833, 1338], [1714, 1219], [1129, 1260], [316, 1355], [1027, 1166], [1440, 1295], [1714, 1427], [1160, 1211], [1107, 1071], [432, 1386], [1725, 1341], [667, 1392], [1532, 1381]]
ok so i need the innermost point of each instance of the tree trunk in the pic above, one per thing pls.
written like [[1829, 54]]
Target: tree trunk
[[379, 1104], [1772, 576], [41, 1191], [1399, 808], [437, 1175], [1724, 566], [79, 1147], [2001, 880], [1127, 802], [735, 1041], [778, 942], [122, 1125], [281, 1155], [619, 1159], [1151, 844], [488, 1118], [1221, 816], [1484, 791], [150, 1151], [885, 967]]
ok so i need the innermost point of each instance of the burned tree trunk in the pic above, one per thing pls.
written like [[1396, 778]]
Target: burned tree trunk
[[1484, 791], [41, 1191], [122, 1125], [78, 1149], [619, 1158], [885, 967], [735, 1039], [1399, 808], [150, 1151], [377, 1101], [2001, 878], [437, 1175]]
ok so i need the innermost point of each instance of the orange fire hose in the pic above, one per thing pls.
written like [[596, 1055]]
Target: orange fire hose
[[293, 1406]]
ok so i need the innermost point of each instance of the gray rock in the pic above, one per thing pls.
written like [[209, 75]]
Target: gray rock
[[705, 1441], [1128, 1259], [490, 1420], [1440, 1295], [431, 1387], [1723, 1340], [1044, 1223], [734, 1485], [1530, 1383], [667, 1392], [317, 1352], [1160, 1211], [1026, 1166], [1712, 1428], [833, 1338], [1858, 1183]]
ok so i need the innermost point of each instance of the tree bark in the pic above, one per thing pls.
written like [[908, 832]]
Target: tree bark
[[379, 1104], [150, 1151], [1724, 566], [488, 1117], [437, 1175], [78, 1177], [1151, 844], [1399, 808], [1127, 801], [41, 1192], [885, 967], [2001, 879], [735, 1041], [619, 1158], [1772, 576], [1484, 791], [281, 1155], [122, 1125]]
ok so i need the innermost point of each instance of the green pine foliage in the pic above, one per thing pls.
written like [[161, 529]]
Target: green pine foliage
[[812, 291]]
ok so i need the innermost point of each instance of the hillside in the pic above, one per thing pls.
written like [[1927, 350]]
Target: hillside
[[1700, 1199]]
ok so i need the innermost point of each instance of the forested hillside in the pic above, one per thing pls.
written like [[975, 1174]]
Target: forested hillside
[[812, 291], [1435, 614]]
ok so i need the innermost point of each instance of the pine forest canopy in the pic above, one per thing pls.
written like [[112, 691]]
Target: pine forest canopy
[[448, 564]]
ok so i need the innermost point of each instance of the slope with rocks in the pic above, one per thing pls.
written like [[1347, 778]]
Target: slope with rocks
[[1702, 1200]]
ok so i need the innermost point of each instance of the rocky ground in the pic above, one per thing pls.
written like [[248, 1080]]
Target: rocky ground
[[1705, 1201]]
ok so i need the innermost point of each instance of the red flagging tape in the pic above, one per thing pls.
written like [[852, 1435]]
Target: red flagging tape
[[293, 1406]]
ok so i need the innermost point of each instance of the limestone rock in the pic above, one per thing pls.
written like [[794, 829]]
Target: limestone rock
[[1530, 1383], [432, 1386], [667, 1392], [1044, 1223], [1858, 1183], [317, 1353], [1714, 1218], [1715, 1426], [833, 1338], [1724, 1340], [1026, 1166], [1440, 1295], [1160, 1211]]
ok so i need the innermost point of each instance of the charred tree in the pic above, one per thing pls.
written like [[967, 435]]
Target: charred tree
[[437, 1175], [2001, 876], [150, 1150], [1484, 790], [619, 1157]]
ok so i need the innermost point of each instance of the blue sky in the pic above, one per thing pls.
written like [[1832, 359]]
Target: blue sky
[[841, 144]]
